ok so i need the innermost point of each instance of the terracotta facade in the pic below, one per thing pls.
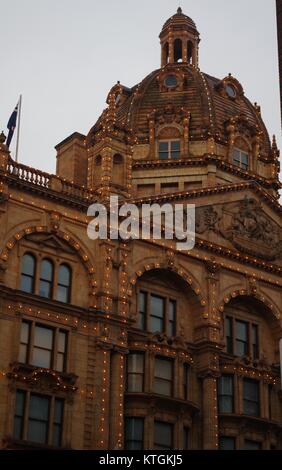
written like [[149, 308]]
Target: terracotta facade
[[135, 344]]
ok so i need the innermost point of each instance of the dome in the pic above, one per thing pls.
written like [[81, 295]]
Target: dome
[[179, 21], [212, 105]]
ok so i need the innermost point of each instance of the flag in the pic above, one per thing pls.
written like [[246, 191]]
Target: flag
[[12, 125]]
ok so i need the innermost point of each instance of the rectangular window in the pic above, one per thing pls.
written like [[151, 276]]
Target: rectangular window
[[24, 342], [19, 414], [43, 346], [226, 394], [135, 372], [270, 398], [142, 310], [163, 436], [169, 150], [252, 445], [134, 433], [240, 159], [42, 427], [229, 334], [157, 314], [172, 318], [241, 338], [227, 443], [163, 376], [255, 342], [186, 372], [251, 397]]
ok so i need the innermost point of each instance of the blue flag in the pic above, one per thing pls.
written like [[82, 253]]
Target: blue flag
[[12, 125]]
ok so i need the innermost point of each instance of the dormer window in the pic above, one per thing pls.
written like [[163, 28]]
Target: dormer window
[[169, 149], [241, 159]]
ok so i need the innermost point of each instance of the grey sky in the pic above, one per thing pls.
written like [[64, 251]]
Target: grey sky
[[65, 55]]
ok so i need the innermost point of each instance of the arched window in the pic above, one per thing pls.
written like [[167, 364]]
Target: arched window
[[165, 53], [64, 283], [241, 154], [28, 273], [46, 279], [189, 52], [98, 160], [178, 50]]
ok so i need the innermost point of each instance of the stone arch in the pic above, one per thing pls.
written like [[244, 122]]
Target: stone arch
[[263, 299], [75, 244], [187, 277], [178, 50]]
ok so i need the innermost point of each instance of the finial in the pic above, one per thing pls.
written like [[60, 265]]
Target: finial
[[179, 11], [274, 143], [2, 138]]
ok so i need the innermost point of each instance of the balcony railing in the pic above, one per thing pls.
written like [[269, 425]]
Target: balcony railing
[[44, 180]]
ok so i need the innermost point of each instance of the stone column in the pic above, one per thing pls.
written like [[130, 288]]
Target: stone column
[[116, 400], [210, 414]]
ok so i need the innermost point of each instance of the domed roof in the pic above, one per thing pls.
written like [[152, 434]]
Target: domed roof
[[211, 103], [180, 21]]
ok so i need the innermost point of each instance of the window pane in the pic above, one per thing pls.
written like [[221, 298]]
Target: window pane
[[25, 332], [56, 435], [163, 435], [225, 394], [62, 294], [241, 331], [64, 275], [185, 439], [27, 284], [62, 341], [227, 443], [39, 407], [45, 289], [134, 430], [162, 387], [20, 400], [37, 432], [43, 337], [251, 398], [58, 411], [172, 318], [142, 302], [38, 419], [175, 145], [135, 363], [163, 369], [60, 366], [157, 324], [41, 358], [23, 353], [28, 265], [46, 270], [19, 414], [157, 306], [135, 383], [241, 348]]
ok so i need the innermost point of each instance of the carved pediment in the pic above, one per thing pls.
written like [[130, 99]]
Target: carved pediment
[[246, 226], [253, 232], [50, 240]]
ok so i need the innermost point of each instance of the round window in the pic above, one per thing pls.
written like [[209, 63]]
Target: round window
[[171, 81], [231, 91]]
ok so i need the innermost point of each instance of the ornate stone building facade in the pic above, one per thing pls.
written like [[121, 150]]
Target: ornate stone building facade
[[135, 345], [279, 29]]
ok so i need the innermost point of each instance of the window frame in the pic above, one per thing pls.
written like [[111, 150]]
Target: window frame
[[239, 163], [159, 445], [159, 379], [129, 374], [248, 400], [169, 150], [232, 340], [37, 278], [56, 330], [221, 396], [51, 417], [147, 314], [126, 441]]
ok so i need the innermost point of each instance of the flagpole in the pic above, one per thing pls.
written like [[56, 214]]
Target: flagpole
[[18, 128]]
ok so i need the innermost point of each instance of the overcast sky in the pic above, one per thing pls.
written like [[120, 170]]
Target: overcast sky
[[65, 55]]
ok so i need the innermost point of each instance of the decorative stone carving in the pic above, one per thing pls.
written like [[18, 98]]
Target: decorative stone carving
[[254, 233], [169, 114], [207, 218]]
